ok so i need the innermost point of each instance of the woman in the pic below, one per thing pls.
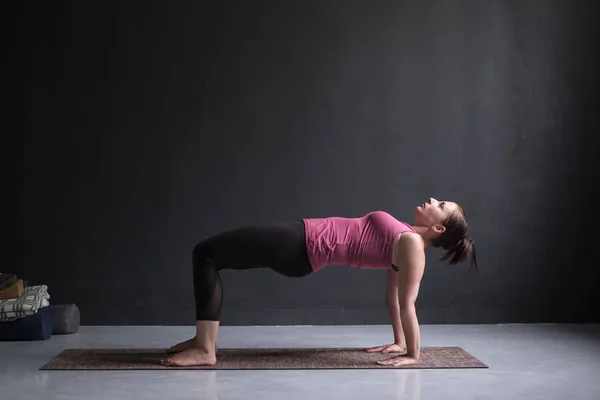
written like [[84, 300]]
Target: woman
[[296, 249]]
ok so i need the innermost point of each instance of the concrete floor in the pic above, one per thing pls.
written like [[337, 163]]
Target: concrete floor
[[526, 362]]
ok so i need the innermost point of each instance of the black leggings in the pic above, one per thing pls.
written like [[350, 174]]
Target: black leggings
[[280, 247]]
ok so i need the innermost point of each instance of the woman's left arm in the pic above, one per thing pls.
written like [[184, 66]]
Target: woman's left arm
[[393, 307]]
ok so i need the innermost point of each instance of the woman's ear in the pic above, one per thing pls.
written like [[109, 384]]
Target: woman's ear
[[439, 228]]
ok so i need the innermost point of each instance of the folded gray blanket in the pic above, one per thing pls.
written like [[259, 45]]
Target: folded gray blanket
[[34, 298]]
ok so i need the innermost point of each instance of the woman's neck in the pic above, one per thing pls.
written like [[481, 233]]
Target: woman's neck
[[424, 232]]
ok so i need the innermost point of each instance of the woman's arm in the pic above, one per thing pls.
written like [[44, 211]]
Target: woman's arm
[[393, 307], [409, 258]]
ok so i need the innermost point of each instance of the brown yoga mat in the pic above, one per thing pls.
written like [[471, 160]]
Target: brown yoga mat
[[259, 359]]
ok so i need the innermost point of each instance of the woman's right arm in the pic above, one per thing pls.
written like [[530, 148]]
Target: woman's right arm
[[409, 257]]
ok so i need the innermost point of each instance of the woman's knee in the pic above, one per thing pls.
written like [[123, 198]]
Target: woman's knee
[[200, 253]]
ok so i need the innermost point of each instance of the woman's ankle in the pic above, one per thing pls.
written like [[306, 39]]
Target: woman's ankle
[[205, 347]]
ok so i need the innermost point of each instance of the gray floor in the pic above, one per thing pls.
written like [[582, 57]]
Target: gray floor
[[526, 362]]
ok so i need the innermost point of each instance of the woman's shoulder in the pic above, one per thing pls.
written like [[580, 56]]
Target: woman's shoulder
[[409, 256], [408, 243], [410, 238]]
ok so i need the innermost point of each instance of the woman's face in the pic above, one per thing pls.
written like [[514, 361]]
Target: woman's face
[[432, 213]]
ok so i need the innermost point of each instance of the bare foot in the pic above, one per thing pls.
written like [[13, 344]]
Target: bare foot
[[191, 358], [179, 347]]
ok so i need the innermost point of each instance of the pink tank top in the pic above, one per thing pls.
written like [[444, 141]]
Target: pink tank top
[[364, 242]]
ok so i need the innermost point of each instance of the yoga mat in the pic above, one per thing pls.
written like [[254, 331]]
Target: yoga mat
[[258, 359]]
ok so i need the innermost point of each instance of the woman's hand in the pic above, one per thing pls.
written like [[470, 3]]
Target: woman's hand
[[387, 348], [398, 361]]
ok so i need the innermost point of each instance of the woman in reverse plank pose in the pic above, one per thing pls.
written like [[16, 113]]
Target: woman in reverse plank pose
[[299, 248]]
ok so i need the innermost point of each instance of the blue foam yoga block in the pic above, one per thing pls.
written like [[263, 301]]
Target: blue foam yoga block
[[37, 326]]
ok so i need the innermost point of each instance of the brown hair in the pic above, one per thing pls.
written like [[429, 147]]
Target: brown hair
[[455, 241]]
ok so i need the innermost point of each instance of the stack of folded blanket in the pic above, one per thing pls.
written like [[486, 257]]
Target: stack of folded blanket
[[24, 310]]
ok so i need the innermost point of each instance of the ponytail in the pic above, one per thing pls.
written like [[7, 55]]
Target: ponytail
[[462, 250], [455, 241]]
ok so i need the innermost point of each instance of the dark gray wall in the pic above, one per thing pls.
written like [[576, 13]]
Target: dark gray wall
[[149, 127]]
